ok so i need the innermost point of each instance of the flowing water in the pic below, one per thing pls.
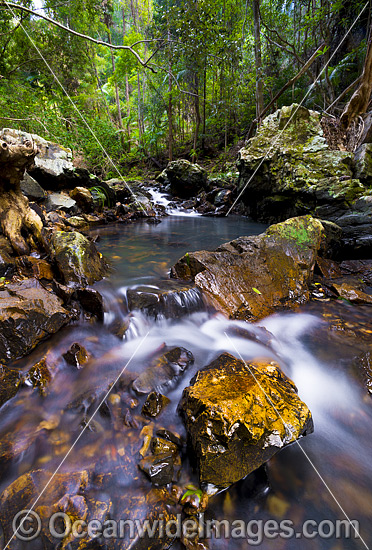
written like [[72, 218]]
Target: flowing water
[[325, 479]]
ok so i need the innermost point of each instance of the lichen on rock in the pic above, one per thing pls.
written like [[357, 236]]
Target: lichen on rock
[[238, 415]]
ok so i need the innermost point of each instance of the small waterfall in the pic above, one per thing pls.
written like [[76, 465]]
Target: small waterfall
[[170, 206]]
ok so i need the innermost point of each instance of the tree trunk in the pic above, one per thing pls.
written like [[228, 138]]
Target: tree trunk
[[359, 101], [170, 107], [258, 59], [20, 224], [117, 95], [197, 117]]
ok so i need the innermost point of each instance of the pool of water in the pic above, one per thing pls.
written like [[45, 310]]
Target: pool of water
[[143, 252]]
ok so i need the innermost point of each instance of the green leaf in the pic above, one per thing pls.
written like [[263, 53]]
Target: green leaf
[[256, 290]]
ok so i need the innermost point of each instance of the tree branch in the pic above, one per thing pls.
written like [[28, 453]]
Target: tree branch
[[293, 80], [12, 7]]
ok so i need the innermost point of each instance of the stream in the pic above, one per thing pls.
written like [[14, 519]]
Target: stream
[[297, 484]]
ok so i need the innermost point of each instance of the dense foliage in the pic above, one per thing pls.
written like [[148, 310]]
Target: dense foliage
[[211, 67]]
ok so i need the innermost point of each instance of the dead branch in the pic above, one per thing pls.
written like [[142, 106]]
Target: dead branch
[[293, 80], [11, 6]]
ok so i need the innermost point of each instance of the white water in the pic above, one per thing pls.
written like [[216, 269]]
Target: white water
[[162, 200], [340, 447]]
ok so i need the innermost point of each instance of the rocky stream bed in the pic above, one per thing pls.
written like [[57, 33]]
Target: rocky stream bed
[[155, 361]]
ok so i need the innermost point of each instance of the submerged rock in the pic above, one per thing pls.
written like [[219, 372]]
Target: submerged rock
[[185, 179], [10, 381], [164, 371], [251, 277], [28, 314], [239, 415], [154, 404], [77, 258], [170, 299], [76, 356], [159, 468]]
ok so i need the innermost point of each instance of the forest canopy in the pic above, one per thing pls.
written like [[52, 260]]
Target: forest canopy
[[194, 78]]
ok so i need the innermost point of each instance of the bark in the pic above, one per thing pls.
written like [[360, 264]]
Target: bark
[[19, 223], [117, 95], [170, 106], [359, 101], [197, 117]]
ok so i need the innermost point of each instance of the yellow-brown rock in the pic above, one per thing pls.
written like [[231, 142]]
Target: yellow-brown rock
[[251, 277], [238, 415]]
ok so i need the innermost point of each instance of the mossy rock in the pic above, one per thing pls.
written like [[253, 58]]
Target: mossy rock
[[77, 258]]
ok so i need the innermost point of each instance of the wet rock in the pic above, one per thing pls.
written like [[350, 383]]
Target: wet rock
[[64, 292], [164, 371], [76, 356], [364, 364], [171, 299], [352, 293], [59, 201], [83, 198], [10, 381], [28, 314], [28, 266], [77, 258], [31, 188], [170, 436], [62, 494], [223, 197], [361, 268], [77, 222], [163, 446], [329, 268], [91, 301], [251, 277], [151, 507], [7, 262], [158, 468], [154, 404], [232, 425], [39, 376], [185, 179]]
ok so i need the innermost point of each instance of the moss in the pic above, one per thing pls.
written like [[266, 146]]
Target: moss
[[304, 230]]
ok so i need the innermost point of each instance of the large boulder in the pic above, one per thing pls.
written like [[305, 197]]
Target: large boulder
[[238, 415], [28, 314], [53, 168], [186, 180], [251, 277], [288, 169], [77, 258]]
